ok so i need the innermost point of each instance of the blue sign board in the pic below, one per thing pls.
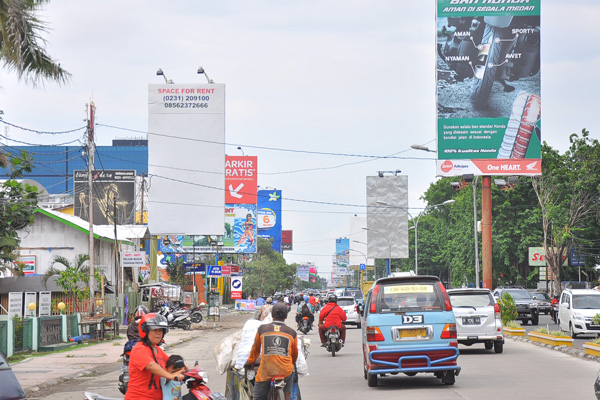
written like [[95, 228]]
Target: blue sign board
[[198, 267], [577, 260], [363, 267], [269, 216], [214, 270]]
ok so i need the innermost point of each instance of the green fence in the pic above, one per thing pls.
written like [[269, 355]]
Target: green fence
[[22, 336], [4, 337], [72, 325]]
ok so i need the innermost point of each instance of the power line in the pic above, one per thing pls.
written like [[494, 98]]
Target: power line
[[41, 132]]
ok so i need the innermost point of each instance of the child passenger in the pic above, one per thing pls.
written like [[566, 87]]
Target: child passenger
[[172, 389]]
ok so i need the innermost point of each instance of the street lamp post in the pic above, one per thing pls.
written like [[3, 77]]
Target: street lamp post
[[417, 227], [365, 256]]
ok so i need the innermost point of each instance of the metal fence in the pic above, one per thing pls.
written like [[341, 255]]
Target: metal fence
[[72, 325], [4, 337], [23, 336]]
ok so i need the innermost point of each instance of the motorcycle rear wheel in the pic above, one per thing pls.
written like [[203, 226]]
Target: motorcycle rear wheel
[[196, 317], [483, 87]]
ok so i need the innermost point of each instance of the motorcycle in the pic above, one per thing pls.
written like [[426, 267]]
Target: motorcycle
[[124, 377], [196, 314], [554, 312], [491, 48], [178, 319], [196, 380], [305, 325], [333, 342]]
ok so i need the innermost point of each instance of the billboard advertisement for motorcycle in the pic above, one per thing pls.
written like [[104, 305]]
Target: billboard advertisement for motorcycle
[[488, 87]]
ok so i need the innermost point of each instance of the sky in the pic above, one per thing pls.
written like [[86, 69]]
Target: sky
[[347, 77]]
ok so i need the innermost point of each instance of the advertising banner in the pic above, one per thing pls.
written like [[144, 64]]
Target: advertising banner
[[29, 263], [186, 158], [30, 297], [287, 240], [342, 252], [387, 216], [15, 304], [113, 195], [537, 257], [245, 305], [269, 216], [303, 272], [45, 303], [488, 88], [240, 228], [240, 179], [236, 287]]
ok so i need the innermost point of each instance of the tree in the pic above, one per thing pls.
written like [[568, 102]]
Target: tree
[[568, 193], [21, 43], [176, 272], [74, 278], [268, 271], [19, 201]]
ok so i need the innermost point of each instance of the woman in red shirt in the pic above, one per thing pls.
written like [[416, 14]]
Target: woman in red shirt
[[147, 362]]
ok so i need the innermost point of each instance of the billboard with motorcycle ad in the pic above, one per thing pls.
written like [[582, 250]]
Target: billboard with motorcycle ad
[[488, 87]]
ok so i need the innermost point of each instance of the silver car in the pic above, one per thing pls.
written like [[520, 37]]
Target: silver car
[[478, 318], [350, 307]]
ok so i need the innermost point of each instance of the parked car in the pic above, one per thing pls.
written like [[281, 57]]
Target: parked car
[[11, 388], [543, 302], [409, 327], [478, 318], [576, 311], [526, 307], [350, 307]]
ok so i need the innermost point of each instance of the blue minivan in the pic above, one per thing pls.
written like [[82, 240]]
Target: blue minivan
[[409, 327]]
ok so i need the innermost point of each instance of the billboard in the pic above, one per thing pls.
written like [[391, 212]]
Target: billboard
[[269, 216], [342, 252], [287, 240], [186, 158], [387, 216], [240, 179], [488, 88], [113, 194], [240, 228], [303, 272]]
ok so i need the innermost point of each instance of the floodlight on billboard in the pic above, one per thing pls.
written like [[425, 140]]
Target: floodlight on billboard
[[186, 157], [488, 125]]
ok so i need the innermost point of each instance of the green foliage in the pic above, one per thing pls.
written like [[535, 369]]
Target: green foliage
[[596, 319], [176, 272], [268, 271], [546, 331], [512, 325], [19, 201], [74, 278], [508, 308]]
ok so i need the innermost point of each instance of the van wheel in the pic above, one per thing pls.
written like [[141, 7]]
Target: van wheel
[[448, 378], [372, 380], [572, 331], [366, 375], [498, 347]]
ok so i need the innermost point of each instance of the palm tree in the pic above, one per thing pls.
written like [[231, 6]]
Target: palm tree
[[74, 278], [22, 47]]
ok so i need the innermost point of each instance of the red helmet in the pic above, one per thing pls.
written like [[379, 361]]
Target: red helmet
[[150, 322]]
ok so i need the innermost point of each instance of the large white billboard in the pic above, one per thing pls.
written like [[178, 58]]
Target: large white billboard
[[186, 159]]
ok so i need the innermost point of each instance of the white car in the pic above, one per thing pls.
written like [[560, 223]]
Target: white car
[[478, 318], [576, 310], [350, 307]]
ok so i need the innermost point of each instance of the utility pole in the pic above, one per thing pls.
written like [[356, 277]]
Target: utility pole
[[90, 149], [142, 202], [486, 233], [118, 269]]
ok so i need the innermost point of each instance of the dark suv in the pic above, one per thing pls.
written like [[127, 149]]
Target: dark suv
[[526, 306]]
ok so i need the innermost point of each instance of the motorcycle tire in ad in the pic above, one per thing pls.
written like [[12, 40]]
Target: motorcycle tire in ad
[[491, 67]]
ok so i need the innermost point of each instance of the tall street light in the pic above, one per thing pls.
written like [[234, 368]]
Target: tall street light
[[365, 256], [417, 227]]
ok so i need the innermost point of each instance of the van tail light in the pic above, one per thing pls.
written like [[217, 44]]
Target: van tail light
[[355, 308], [446, 297], [374, 334], [373, 306], [497, 313], [449, 332]]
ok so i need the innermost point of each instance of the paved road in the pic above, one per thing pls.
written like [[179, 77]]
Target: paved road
[[546, 321]]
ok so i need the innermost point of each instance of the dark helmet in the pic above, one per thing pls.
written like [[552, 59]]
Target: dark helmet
[[279, 311], [332, 298], [152, 321], [139, 312]]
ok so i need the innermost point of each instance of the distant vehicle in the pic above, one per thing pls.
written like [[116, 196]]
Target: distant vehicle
[[576, 311], [543, 302], [351, 291], [350, 307], [11, 388], [526, 307], [478, 318], [409, 327]]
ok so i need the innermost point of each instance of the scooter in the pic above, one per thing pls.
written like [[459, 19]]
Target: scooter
[[304, 325], [196, 314], [124, 377], [333, 342], [179, 319], [196, 380]]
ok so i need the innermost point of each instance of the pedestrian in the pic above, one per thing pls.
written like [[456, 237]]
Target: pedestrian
[[265, 310]]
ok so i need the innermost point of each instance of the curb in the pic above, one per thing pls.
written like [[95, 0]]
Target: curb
[[571, 351]]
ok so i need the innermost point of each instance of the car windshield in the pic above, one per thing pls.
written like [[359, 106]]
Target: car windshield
[[540, 296], [410, 295], [467, 299], [586, 301], [345, 302], [356, 293], [519, 294]]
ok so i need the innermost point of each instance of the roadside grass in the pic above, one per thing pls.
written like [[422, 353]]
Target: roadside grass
[[15, 358]]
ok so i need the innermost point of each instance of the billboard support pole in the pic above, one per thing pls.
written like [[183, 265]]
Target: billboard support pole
[[90, 149], [486, 234]]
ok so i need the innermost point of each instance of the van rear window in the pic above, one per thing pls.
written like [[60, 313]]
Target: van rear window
[[410, 296]]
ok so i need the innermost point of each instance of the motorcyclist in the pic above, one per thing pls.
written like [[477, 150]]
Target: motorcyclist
[[276, 345], [132, 328], [305, 310], [265, 310], [312, 300], [332, 314], [148, 361], [554, 308]]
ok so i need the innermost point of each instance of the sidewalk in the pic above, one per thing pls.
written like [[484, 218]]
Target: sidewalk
[[37, 373]]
